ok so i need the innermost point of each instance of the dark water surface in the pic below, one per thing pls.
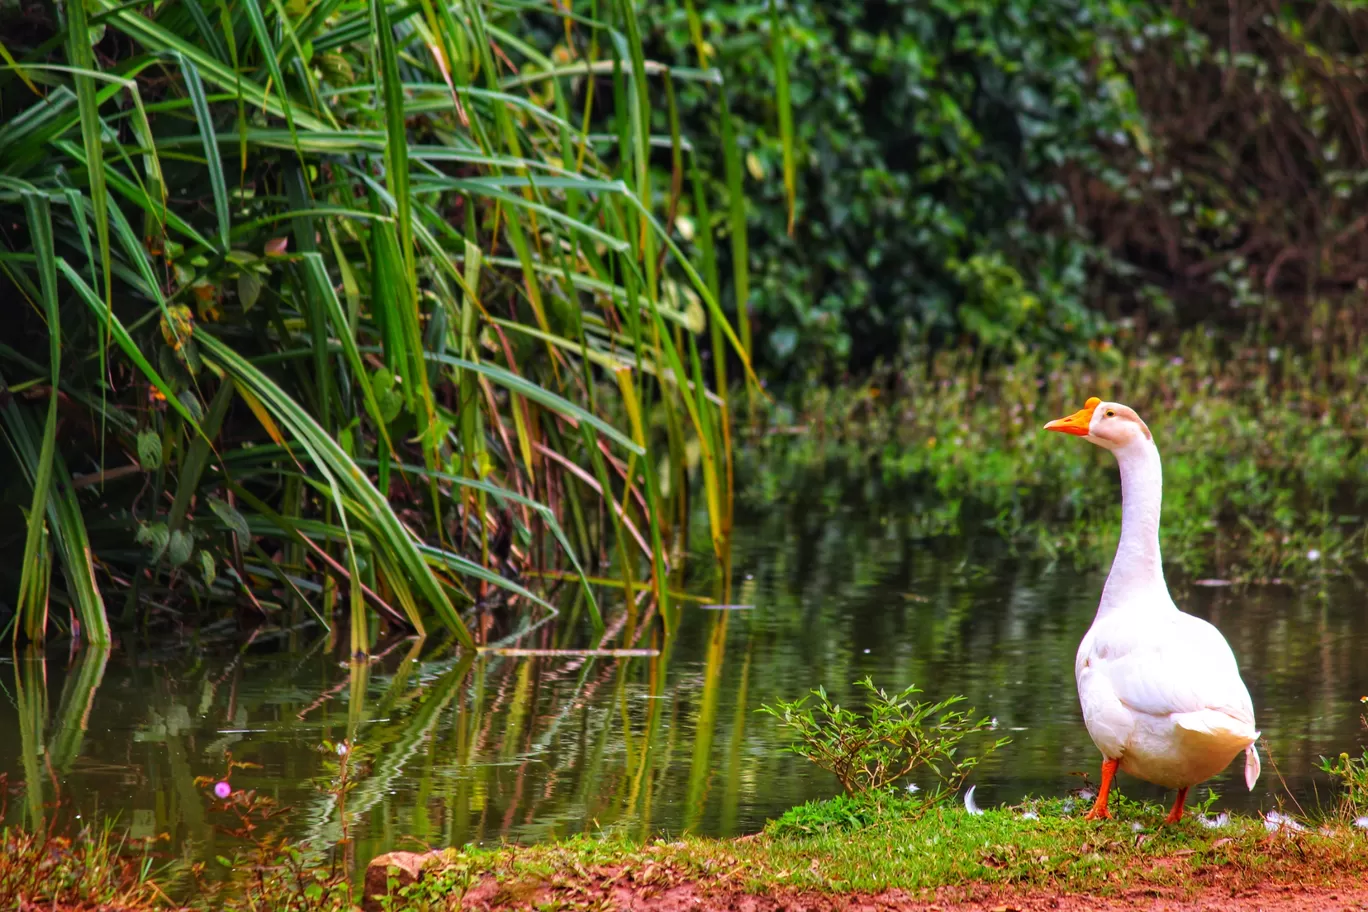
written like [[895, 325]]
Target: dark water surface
[[532, 748]]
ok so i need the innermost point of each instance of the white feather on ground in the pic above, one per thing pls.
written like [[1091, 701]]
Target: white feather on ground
[[969, 804]]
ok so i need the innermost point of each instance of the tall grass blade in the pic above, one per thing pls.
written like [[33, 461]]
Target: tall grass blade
[[82, 59], [205, 120], [34, 584], [736, 209], [778, 46], [30, 697]]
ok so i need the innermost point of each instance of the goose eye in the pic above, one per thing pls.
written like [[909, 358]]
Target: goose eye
[[1111, 414]]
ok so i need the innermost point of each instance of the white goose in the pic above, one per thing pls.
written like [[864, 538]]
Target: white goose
[[1162, 696]]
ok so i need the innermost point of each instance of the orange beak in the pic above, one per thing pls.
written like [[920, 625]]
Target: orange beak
[[1077, 423]]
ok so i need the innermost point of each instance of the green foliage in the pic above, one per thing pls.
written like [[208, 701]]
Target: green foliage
[[358, 279], [896, 737], [1352, 774], [931, 145], [1007, 172]]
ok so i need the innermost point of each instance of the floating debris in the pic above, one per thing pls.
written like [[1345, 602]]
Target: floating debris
[[969, 804], [1275, 820], [727, 607], [913, 788], [1220, 820]]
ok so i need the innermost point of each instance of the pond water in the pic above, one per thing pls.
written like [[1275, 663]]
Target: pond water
[[844, 584]]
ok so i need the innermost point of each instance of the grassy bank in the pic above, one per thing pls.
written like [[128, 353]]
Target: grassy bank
[[837, 849], [947, 849], [1265, 452]]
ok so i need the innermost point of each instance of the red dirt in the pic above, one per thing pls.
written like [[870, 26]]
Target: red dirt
[[693, 897]]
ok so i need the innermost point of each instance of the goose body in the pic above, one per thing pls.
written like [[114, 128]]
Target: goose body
[[1160, 690]]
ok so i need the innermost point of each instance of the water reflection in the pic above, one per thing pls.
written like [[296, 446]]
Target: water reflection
[[452, 749]]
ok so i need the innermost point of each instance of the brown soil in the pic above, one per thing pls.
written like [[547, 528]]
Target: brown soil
[[634, 889], [693, 897]]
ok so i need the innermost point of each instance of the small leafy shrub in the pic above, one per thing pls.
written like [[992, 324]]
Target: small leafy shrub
[[1352, 773], [440, 888], [279, 872], [896, 737]]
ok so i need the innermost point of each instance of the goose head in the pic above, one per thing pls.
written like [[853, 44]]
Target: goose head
[[1110, 425]]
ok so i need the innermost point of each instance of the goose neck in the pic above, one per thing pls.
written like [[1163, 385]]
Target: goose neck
[[1137, 572]]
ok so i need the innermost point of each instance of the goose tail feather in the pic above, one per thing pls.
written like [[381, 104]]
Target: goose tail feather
[[1252, 767]]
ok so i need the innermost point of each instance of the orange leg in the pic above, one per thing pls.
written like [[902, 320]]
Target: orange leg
[[1099, 809], [1176, 814]]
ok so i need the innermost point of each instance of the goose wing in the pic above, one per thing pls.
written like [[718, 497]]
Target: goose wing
[[1181, 667]]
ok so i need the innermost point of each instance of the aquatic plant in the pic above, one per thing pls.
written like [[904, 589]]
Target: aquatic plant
[[347, 306], [265, 867], [1265, 450], [895, 737]]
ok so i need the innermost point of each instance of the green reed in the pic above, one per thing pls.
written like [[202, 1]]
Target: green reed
[[326, 307]]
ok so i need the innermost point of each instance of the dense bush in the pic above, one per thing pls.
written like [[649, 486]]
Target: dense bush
[[1010, 172], [1247, 204], [930, 139]]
